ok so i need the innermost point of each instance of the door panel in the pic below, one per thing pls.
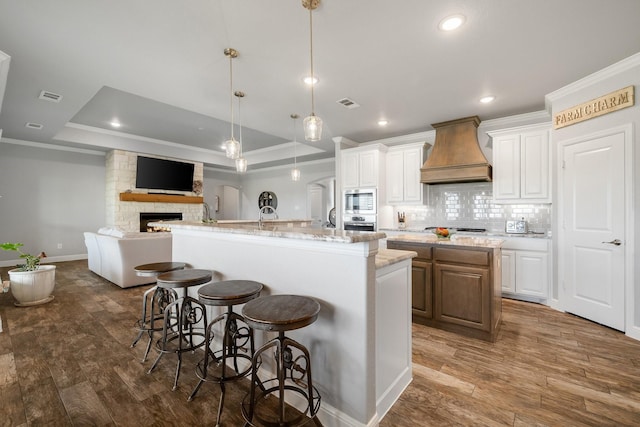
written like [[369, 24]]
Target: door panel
[[593, 200]]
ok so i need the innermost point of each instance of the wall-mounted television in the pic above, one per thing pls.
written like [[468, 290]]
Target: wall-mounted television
[[161, 174]]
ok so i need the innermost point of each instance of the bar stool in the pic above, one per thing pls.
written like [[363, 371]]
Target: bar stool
[[281, 313], [156, 298], [179, 330], [234, 339]]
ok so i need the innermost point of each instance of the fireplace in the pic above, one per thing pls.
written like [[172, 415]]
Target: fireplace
[[147, 217]]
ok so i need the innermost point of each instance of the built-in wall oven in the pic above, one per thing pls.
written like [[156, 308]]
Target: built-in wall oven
[[360, 209], [359, 222], [360, 201]]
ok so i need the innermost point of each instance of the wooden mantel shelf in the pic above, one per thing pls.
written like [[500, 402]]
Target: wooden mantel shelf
[[160, 198]]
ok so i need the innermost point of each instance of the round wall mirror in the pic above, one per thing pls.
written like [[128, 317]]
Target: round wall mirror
[[267, 198]]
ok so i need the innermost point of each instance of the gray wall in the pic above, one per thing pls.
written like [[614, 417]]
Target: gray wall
[[49, 197]]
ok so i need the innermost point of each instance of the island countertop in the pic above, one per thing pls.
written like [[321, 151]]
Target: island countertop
[[455, 240], [279, 229]]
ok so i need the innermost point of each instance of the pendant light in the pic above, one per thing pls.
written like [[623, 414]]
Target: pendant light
[[312, 124], [295, 172], [231, 146], [241, 162]]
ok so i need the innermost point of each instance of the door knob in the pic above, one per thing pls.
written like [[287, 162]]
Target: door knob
[[616, 242]]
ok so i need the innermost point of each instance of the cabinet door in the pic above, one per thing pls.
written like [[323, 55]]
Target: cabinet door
[[531, 273], [412, 160], [368, 165], [350, 170], [534, 174], [463, 296], [508, 271], [395, 174], [421, 290], [506, 167]]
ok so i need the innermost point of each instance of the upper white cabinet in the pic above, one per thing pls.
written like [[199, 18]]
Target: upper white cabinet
[[521, 164], [363, 167], [403, 174]]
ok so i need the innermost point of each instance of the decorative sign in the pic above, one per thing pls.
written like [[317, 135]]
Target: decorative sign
[[609, 103]]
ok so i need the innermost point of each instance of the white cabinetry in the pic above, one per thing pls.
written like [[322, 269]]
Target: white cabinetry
[[403, 174], [525, 268], [363, 167], [521, 165]]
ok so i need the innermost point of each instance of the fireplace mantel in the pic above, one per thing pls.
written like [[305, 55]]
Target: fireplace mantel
[[160, 198]]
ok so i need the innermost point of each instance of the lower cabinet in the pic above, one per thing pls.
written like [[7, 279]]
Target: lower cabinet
[[456, 288], [463, 295], [421, 289], [525, 268]]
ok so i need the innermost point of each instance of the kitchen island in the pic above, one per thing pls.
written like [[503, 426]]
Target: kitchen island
[[360, 344], [456, 282]]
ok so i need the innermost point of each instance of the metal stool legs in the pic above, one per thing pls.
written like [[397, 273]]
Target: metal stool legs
[[234, 340], [179, 330], [288, 368], [159, 299]]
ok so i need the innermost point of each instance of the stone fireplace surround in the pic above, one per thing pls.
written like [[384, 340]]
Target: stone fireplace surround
[[121, 178]]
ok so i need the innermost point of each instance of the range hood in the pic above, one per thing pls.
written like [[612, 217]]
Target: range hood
[[456, 155]]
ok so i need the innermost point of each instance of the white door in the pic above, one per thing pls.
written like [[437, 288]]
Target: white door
[[592, 263], [315, 194]]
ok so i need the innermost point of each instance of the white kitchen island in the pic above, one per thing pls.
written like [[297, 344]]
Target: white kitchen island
[[361, 343]]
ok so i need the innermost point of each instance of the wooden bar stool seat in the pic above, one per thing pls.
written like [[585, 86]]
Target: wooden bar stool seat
[[185, 319], [281, 313], [154, 301], [236, 335]]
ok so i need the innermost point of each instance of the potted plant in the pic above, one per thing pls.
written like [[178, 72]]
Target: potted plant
[[31, 283]]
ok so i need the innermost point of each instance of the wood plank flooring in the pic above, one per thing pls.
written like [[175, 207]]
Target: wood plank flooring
[[68, 363]]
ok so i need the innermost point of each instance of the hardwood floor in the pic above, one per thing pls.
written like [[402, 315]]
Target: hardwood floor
[[69, 363]]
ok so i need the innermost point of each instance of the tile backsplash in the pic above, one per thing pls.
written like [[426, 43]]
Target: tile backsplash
[[471, 205]]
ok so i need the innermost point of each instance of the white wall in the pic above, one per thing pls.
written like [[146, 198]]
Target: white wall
[[49, 197], [617, 76], [292, 196]]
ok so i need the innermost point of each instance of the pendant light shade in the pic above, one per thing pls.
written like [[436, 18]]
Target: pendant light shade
[[231, 146], [312, 128], [312, 124], [295, 172], [241, 162]]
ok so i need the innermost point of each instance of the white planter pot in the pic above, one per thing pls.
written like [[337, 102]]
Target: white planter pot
[[33, 287]]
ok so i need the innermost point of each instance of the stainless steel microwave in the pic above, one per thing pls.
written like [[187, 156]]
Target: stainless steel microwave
[[360, 201]]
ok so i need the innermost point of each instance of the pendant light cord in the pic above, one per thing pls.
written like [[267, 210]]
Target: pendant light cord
[[311, 50], [231, 91], [240, 123]]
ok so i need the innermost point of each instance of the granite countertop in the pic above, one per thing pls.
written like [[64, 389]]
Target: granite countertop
[[255, 221], [268, 229], [386, 257], [455, 240], [489, 233]]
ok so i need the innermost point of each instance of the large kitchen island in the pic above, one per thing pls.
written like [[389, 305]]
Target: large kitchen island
[[360, 344], [456, 282]]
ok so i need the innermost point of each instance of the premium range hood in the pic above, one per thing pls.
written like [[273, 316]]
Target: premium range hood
[[456, 155]]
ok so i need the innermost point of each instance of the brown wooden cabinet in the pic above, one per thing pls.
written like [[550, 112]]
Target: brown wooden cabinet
[[456, 288]]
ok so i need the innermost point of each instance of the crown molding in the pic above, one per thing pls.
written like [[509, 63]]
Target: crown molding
[[52, 146], [597, 77]]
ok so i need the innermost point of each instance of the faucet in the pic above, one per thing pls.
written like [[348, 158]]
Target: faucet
[[265, 210], [206, 212]]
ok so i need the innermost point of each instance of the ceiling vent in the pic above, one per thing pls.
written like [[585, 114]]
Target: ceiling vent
[[30, 125], [50, 96], [348, 103]]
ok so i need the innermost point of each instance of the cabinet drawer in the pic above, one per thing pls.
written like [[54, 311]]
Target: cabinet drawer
[[461, 256], [424, 252]]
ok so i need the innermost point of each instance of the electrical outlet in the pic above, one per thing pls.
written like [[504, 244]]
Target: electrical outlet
[[59, 245]]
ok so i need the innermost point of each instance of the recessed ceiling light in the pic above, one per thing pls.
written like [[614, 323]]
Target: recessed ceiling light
[[115, 124], [383, 122], [450, 23], [310, 80], [487, 99]]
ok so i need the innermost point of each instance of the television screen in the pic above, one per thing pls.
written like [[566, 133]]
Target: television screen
[[161, 174]]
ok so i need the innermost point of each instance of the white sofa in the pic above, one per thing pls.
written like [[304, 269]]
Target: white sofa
[[113, 254]]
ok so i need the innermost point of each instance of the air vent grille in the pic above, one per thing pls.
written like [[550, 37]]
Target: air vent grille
[[30, 125], [348, 103], [50, 96]]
